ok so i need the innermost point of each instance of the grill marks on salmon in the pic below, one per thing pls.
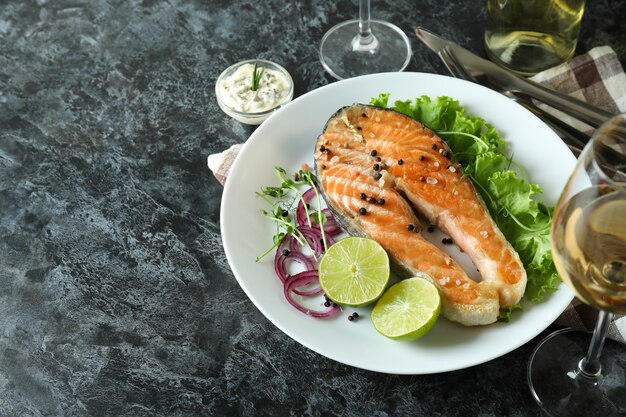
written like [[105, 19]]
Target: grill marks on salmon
[[387, 155]]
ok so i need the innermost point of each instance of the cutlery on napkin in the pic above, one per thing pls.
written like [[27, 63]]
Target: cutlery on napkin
[[596, 77], [485, 72]]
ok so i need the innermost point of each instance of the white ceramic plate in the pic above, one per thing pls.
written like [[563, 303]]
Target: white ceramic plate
[[287, 139]]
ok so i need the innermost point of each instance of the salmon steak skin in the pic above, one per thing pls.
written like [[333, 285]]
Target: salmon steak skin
[[383, 175]]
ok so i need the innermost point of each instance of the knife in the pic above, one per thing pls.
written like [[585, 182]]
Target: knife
[[489, 74]]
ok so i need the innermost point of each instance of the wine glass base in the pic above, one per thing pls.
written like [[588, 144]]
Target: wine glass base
[[561, 389], [342, 57]]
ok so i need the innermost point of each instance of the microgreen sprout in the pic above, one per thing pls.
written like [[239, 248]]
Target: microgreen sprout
[[283, 201], [305, 178]]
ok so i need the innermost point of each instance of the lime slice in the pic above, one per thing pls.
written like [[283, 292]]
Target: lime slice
[[354, 271], [408, 309]]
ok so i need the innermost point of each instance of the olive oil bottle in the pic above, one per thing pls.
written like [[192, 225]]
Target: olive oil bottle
[[528, 36]]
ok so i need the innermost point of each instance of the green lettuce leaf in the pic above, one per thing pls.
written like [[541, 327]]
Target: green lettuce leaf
[[511, 200]]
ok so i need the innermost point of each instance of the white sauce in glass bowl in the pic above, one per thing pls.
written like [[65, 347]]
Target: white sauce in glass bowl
[[236, 89]]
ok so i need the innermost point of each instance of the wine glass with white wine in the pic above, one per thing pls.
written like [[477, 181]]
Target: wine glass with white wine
[[567, 374], [364, 46]]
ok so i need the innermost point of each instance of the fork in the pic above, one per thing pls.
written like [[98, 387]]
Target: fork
[[573, 138]]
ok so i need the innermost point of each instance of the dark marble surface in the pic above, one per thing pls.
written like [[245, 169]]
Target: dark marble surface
[[115, 295]]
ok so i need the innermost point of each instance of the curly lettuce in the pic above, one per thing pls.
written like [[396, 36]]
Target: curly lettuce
[[477, 146]]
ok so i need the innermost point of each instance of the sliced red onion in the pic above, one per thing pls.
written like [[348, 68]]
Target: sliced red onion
[[297, 288], [293, 284], [300, 211], [308, 293], [300, 280], [280, 260], [330, 225], [313, 237]]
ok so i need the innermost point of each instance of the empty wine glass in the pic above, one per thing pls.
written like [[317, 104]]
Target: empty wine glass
[[566, 374], [364, 46]]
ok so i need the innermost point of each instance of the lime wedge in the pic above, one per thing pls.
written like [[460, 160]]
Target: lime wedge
[[408, 309], [354, 271]]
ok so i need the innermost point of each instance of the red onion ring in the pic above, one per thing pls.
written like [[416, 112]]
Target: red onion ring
[[300, 212], [330, 225], [302, 279], [280, 260], [313, 236]]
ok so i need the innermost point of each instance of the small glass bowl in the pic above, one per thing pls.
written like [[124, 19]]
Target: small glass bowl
[[251, 118]]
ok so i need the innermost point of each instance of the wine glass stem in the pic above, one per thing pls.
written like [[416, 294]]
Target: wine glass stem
[[590, 366], [364, 18], [365, 41]]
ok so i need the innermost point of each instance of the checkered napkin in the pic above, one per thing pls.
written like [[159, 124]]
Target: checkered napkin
[[596, 77]]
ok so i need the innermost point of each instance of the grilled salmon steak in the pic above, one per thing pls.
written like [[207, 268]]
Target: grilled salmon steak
[[376, 168]]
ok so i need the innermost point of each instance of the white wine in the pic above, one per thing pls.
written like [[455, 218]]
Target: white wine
[[589, 247], [528, 36]]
